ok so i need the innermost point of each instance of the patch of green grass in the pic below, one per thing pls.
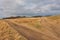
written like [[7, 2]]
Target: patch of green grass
[[37, 25]]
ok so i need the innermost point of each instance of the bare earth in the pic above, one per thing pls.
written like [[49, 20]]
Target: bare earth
[[30, 29]]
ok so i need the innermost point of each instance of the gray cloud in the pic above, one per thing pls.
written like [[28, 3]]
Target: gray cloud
[[29, 7]]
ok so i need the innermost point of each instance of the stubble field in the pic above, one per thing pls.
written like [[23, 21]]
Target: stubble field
[[47, 25]]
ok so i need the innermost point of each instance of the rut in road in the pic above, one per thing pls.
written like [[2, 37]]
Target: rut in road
[[30, 34]]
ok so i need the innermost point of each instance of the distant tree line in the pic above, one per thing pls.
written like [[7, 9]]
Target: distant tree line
[[22, 17], [14, 17]]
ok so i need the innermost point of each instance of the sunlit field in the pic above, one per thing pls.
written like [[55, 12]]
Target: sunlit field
[[31, 22], [8, 33], [44, 24]]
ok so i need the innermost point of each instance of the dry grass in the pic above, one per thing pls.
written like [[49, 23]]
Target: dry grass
[[8, 33], [54, 17], [31, 22]]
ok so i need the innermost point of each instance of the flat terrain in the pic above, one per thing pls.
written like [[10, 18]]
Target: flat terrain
[[40, 28]]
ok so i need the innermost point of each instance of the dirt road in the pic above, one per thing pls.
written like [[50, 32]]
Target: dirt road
[[29, 33]]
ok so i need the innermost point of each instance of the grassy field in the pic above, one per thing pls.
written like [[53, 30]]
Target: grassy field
[[8, 33], [31, 22], [54, 17]]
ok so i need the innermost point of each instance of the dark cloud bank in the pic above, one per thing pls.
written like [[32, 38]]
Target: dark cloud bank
[[29, 7]]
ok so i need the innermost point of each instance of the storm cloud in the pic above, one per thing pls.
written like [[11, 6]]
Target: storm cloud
[[29, 7]]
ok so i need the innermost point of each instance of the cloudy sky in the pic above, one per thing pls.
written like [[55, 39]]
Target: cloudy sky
[[29, 7]]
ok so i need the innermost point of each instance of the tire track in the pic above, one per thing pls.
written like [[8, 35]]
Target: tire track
[[51, 27], [30, 34]]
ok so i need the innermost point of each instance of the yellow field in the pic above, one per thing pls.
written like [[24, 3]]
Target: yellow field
[[31, 22], [9, 33]]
